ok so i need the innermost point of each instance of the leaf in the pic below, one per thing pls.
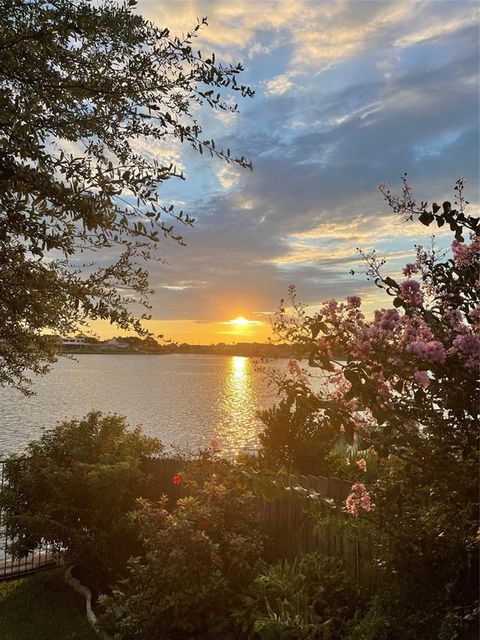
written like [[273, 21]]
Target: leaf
[[390, 282], [426, 218]]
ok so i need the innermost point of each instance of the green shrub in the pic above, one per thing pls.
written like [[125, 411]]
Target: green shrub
[[310, 598], [74, 487], [199, 558], [294, 439], [392, 616]]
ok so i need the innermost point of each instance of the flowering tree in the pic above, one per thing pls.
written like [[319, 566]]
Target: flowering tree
[[404, 392]]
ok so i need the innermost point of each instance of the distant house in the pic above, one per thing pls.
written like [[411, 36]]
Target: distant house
[[116, 344], [74, 342]]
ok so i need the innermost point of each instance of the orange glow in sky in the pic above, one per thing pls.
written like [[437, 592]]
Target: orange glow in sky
[[238, 329], [240, 322]]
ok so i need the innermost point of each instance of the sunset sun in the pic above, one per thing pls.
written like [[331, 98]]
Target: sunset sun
[[240, 321]]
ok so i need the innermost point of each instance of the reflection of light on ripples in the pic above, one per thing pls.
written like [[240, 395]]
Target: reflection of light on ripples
[[237, 403]]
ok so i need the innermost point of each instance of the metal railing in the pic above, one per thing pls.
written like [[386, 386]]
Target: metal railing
[[44, 556]]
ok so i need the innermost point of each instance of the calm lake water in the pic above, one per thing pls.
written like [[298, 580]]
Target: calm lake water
[[182, 399]]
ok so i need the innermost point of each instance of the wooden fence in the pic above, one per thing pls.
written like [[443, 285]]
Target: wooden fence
[[289, 522]]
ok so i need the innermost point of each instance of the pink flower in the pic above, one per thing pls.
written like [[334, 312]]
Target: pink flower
[[432, 351], [436, 352], [464, 254], [362, 464], [358, 500], [294, 368], [387, 319], [409, 269], [455, 319], [475, 313], [468, 346], [354, 301], [213, 444], [410, 292], [422, 378], [461, 253]]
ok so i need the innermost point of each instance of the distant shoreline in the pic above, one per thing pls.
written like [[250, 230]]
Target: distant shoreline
[[125, 352], [246, 350]]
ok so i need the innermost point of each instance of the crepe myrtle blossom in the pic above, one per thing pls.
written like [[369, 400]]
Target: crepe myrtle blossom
[[358, 500], [296, 370], [410, 268], [466, 254], [467, 346], [432, 351], [354, 302], [474, 315], [410, 292], [456, 320], [422, 378]]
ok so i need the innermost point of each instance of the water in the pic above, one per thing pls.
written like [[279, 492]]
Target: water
[[182, 399]]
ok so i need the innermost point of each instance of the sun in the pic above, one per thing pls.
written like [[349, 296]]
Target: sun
[[240, 321], [243, 326]]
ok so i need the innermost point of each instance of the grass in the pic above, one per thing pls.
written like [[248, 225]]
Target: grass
[[42, 607]]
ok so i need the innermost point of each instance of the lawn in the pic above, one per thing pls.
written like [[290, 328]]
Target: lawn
[[42, 607]]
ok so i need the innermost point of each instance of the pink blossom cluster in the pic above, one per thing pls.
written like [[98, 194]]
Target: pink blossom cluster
[[387, 319], [456, 320], [465, 254], [474, 315], [296, 370], [324, 347], [432, 351], [467, 346], [354, 302], [410, 292], [362, 464], [410, 268], [422, 378], [358, 500], [404, 347], [340, 387], [362, 422]]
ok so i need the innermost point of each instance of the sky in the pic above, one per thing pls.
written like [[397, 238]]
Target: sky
[[348, 94]]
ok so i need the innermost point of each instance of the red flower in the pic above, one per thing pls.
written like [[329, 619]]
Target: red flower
[[176, 479]]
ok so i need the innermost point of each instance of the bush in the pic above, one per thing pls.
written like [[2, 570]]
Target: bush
[[293, 439], [308, 599], [198, 559], [390, 616], [74, 487]]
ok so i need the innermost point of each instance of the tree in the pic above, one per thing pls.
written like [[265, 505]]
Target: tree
[[406, 395], [82, 86], [74, 488]]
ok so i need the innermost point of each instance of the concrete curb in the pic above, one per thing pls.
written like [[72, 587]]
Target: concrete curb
[[80, 588]]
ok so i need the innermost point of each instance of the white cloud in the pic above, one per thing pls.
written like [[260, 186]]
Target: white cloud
[[279, 85]]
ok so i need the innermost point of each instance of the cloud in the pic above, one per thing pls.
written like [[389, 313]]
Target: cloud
[[278, 85], [338, 110]]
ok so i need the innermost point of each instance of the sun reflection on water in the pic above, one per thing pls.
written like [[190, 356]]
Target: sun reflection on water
[[238, 427]]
